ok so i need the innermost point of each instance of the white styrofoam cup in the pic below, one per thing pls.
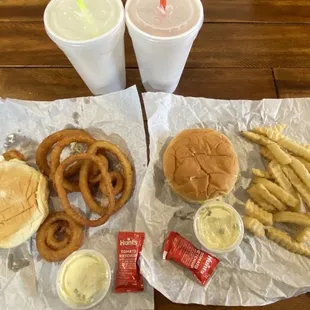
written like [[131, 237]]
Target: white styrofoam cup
[[100, 61], [161, 60]]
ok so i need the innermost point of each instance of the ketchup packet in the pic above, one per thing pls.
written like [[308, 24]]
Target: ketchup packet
[[182, 251], [128, 277]]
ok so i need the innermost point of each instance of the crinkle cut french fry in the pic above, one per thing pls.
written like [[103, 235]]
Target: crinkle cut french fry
[[304, 161], [253, 210], [274, 136], [276, 171], [272, 199], [300, 208], [265, 152], [254, 226], [301, 171], [280, 177], [292, 217], [303, 235], [279, 236], [259, 200], [278, 128], [282, 157], [298, 184], [261, 173], [256, 138], [294, 147], [285, 197], [286, 241]]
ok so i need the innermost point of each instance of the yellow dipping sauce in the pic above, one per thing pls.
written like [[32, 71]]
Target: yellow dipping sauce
[[82, 278], [217, 227]]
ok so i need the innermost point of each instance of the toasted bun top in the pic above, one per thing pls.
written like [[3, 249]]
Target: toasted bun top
[[200, 164], [23, 202]]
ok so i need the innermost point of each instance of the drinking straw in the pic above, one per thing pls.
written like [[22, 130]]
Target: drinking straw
[[163, 3], [81, 5]]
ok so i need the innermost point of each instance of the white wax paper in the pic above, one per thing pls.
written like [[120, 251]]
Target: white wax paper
[[27, 281], [259, 272]]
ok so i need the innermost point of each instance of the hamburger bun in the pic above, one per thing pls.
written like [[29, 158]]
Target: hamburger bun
[[200, 164], [23, 202]]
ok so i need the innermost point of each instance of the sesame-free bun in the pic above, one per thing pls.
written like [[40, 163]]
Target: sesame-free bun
[[200, 164], [23, 202]]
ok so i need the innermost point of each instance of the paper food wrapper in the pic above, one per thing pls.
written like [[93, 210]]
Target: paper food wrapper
[[259, 272], [27, 281]]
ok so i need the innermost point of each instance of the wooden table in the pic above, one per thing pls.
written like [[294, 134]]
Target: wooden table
[[247, 49]]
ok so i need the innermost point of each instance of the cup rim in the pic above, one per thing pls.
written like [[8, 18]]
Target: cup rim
[[233, 246], [118, 25], [129, 23], [104, 293]]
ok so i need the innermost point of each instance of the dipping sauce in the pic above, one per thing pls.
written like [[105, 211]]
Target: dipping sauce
[[83, 278], [218, 227]]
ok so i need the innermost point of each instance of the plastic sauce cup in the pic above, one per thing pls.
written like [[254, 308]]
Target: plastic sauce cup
[[210, 205], [100, 296]]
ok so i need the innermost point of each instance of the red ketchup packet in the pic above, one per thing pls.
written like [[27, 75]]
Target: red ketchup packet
[[128, 277], [182, 251]]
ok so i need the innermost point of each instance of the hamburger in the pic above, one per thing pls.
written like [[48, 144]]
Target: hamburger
[[200, 164], [23, 202]]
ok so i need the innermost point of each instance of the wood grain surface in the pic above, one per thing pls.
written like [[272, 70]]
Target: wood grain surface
[[57, 83], [292, 82], [22, 10], [257, 11], [247, 49]]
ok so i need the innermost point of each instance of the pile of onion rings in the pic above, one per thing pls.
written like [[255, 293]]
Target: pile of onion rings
[[81, 172]]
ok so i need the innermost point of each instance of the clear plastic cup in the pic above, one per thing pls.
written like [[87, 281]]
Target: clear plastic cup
[[209, 205], [161, 59], [99, 61]]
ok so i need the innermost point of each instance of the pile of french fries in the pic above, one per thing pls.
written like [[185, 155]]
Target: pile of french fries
[[276, 195]]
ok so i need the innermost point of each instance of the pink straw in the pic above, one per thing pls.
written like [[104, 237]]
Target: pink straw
[[163, 3]]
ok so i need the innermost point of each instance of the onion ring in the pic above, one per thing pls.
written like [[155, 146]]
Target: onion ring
[[58, 227], [55, 158], [95, 176], [46, 145], [73, 170], [14, 154], [127, 173], [117, 179], [76, 238], [63, 194], [95, 179]]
